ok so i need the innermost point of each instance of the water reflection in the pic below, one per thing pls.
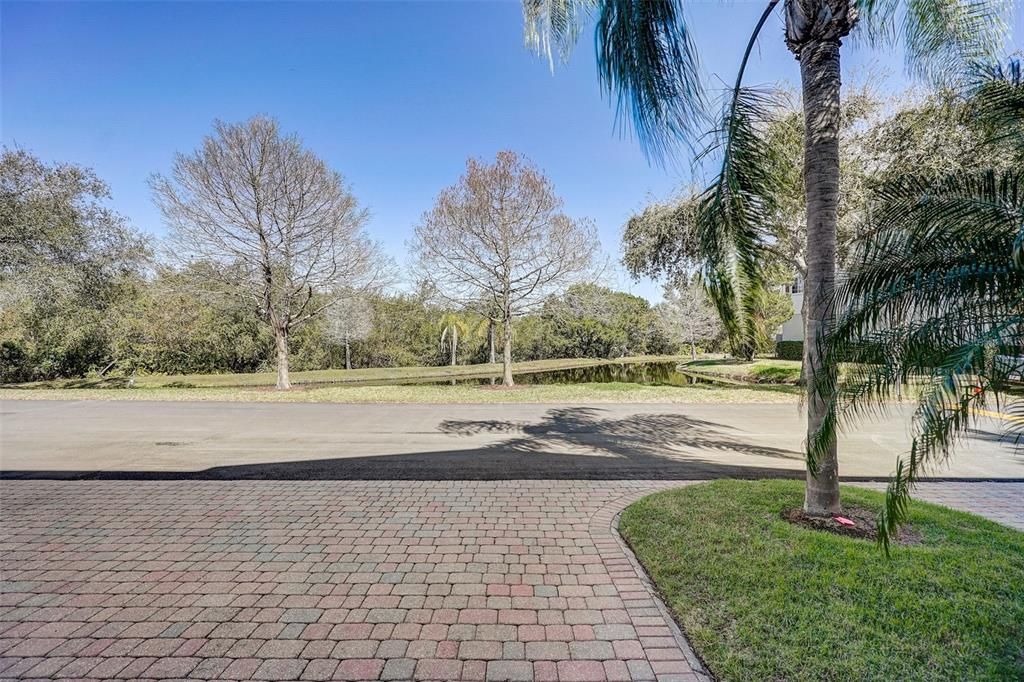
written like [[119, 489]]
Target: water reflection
[[645, 373]]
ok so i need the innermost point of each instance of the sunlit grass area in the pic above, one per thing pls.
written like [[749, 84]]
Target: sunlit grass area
[[381, 385], [763, 370], [335, 376], [762, 599], [612, 392]]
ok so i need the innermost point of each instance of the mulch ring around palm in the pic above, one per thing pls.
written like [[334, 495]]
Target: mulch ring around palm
[[865, 524]]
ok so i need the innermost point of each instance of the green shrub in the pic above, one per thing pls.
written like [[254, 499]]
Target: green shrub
[[15, 364], [789, 350], [770, 374]]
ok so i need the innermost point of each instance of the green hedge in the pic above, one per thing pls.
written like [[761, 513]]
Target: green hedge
[[789, 350]]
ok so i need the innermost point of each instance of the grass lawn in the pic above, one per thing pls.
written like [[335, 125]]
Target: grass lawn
[[349, 386], [335, 376], [551, 393], [761, 599], [761, 371]]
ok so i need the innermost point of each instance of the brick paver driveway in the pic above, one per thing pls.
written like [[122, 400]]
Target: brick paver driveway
[[514, 580], [443, 580]]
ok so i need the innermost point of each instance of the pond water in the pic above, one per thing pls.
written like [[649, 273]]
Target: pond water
[[645, 373]]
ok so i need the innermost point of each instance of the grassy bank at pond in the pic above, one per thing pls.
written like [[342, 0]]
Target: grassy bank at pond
[[762, 599], [336, 376], [761, 371], [371, 386], [544, 393]]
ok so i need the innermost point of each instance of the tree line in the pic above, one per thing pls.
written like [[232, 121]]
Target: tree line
[[268, 266]]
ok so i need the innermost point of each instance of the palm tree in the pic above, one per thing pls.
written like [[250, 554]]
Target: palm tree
[[484, 329], [452, 326], [489, 329], [935, 298], [487, 326], [491, 325], [646, 60]]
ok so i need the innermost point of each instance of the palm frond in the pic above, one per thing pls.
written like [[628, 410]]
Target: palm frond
[[934, 301], [1014, 407], [733, 211], [648, 64], [646, 60], [553, 26], [998, 98], [942, 39]]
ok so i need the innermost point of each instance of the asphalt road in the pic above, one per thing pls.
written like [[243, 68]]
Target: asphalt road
[[160, 440]]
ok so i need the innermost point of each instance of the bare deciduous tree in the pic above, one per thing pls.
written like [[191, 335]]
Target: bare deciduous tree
[[497, 241], [687, 315], [282, 227]]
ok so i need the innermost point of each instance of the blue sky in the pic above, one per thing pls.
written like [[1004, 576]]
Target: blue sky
[[395, 95]]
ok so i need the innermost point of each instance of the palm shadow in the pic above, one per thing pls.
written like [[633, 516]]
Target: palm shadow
[[638, 435], [567, 443]]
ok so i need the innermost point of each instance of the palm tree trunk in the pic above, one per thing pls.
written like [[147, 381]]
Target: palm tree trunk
[[820, 77], [281, 344], [507, 353], [802, 381], [490, 340]]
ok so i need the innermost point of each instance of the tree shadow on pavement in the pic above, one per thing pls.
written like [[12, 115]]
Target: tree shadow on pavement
[[652, 435], [567, 443]]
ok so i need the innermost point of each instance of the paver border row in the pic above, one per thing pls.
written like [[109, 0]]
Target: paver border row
[[627, 572]]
